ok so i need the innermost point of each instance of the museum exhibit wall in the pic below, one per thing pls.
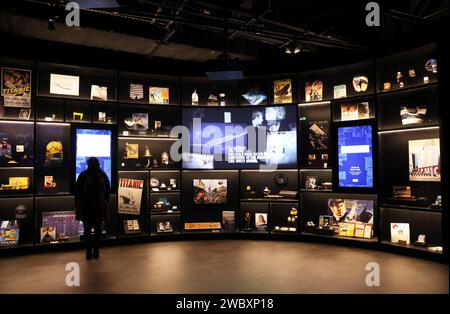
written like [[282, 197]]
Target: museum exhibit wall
[[356, 148]]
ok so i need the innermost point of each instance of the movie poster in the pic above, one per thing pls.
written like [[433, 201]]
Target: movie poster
[[159, 95], [424, 160], [314, 91], [16, 87], [282, 91], [130, 196]]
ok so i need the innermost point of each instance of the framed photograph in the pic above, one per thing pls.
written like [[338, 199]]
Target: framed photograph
[[210, 191], [424, 160], [64, 84], [261, 221], [159, 95], [24, 114]]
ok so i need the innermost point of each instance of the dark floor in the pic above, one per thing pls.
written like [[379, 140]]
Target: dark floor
[[223, 266]]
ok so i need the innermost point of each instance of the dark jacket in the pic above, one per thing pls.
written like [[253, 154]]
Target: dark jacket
[[92, 195]]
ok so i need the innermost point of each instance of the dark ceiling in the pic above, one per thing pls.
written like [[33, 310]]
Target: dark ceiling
[[259, 31]]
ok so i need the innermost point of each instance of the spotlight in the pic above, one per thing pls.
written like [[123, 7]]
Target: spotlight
[[293, 49]]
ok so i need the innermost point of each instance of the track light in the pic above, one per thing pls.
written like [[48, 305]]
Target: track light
[[292, 49]]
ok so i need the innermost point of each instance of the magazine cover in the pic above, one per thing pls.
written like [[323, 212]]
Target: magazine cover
[[130, 196], [159, 95], [424, 160], [16, 87], [282, 91], [9, 232]]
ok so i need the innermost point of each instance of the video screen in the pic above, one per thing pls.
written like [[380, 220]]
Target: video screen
[[355, 156], [93, 143], [210, 191], [222, 138]]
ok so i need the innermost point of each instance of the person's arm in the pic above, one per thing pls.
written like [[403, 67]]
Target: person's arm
[[79, 188], [107, 187]]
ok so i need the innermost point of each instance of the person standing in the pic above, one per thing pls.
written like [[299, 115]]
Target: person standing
[[91, 199]]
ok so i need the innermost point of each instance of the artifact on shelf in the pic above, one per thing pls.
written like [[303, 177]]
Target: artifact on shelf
[[194, 98], [387, 86], [164, 158], [222, 99], [49, 182], [421, 240], [414, 115], [54, 152], [248, 192], [412, 73], [431, 65], [360, 83]]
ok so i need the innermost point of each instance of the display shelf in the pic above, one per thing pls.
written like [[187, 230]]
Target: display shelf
[[408, 129], [269, 200], [255, 231], [406, 207], [315, 191], [310, 234], [410, 247], [408, 88]]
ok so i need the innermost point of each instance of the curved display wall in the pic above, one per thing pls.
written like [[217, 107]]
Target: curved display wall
[[350, 153]]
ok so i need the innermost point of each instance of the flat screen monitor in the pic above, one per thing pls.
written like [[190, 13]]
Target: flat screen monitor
[[93, 143], [355, 156], [235, 138]]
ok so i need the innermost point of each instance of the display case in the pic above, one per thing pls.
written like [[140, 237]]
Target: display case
[[284, 218], [165, 202], [316, 180], [354, 109], [146, 153], [18, 79], [315, 138], [104, 112], [147, 121], [163, 225], [260, 185], [53, 158], [408, 69], [50, 109], [78, 111], [150, 89], [410, 108], [16, 144], [199, 91], [75, 82], [16, 222], [345, 81], [165, 181], [254, 91], [350, 216], [132, 203], [209, 199], [255, 217], [16, 181], [411, 229]]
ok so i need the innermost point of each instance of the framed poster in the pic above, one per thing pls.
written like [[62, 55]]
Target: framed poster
[[424, 160], [16, 87], [130, 196]]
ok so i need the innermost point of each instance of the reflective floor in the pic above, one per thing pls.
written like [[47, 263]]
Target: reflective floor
[[223, 266]]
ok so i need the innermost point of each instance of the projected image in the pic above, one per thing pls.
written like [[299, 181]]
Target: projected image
[[355, 156], [93, 143], [210, 191], [240, 137]]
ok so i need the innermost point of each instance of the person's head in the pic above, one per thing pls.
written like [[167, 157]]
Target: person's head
[[337, 206], [93, 164], [261, 219], [257, 118]]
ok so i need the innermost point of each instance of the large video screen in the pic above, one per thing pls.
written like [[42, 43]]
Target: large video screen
[[93, 143], [355, 156], [235, 138]]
